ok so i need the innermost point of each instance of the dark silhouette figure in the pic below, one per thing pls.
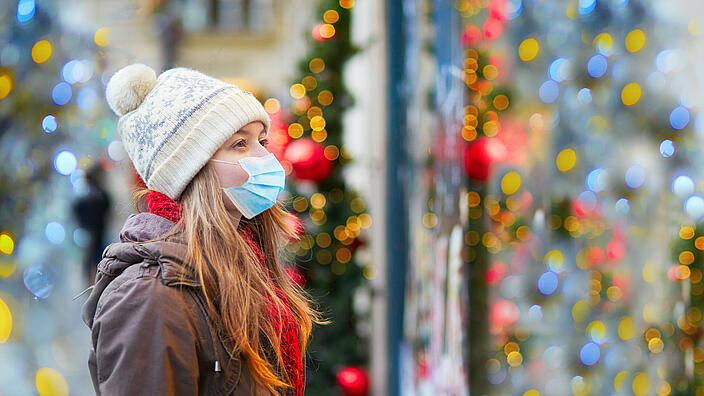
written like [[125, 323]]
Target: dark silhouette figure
[[91, 211]]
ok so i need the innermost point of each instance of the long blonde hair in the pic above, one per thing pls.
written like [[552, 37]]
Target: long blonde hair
[[235, 286]]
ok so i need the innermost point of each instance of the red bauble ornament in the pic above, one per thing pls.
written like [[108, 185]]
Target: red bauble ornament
[[308, 160], [353, 381], [480, 155]]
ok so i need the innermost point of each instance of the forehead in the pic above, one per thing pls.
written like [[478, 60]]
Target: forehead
[[255, 127]]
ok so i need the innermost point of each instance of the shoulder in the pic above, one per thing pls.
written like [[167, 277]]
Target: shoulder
[[139, 288]]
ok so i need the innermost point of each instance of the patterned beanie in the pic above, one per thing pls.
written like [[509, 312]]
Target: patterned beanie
[[172, 125]]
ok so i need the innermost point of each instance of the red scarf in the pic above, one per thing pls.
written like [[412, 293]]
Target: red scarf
[[160, 204]]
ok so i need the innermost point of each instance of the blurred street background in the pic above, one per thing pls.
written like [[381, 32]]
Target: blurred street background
[[498, 197]]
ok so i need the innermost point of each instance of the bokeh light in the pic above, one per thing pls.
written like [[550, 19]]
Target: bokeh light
[[635, 176], [528, 49], [25, 10], [566, 160], [679, 118], [667, 148], [590, 354], [61, 93], [41, 51], [65, 162], [49, 124], [548, 91], [597, 65]]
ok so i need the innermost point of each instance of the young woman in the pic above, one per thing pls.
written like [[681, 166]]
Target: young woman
[[193, 300]]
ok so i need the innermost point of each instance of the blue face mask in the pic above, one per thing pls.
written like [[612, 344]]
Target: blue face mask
[[266, 180]]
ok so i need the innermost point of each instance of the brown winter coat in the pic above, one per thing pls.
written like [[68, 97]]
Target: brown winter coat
[[150, 331]]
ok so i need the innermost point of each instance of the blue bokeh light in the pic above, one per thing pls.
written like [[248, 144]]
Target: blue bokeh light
[[622, 206], [597, 65], [548, 91], [589, 354], [635, 176], [25, 10], [547, 283], [65, 162], [586, 6], [667, 148], [559, 69], [596, 180], [61, 94], [513, 9], [683, 186], [584, 96], [679, 117], [49, 124], [694, 207], [55, 233]]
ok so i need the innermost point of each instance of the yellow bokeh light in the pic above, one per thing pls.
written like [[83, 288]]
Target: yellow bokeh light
[[346, 4], [699, 243], [635, 40], [510, 183], [327, 30], [331, 152], [41, 51], [686, 257], [297, 91], [5, 321], [7, 267], [656, 345], [316, 65], [596, 330], [581, 310], [531, 392], [51, 383], [331, 16], [5, 85], [687, 232], [317, 200], [317, 123], [630, 94], [603, 43], [295, 130], [641, 384], [664, 389], [325, 98], [528, 49], [620, 381], [272, 106], [7, 245], [514, 359], [566, 160], [500, 102], [102, 37]]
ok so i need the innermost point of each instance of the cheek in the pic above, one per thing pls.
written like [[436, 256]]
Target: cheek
[[230, 175]]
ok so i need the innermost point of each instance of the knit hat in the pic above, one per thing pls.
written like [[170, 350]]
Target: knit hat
[[172, 125]]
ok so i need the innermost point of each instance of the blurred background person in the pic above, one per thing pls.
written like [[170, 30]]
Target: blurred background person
[[91, 211]]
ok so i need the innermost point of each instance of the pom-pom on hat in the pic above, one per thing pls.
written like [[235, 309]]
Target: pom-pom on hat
[[171, 125]]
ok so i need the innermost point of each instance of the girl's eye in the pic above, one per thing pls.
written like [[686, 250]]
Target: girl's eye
[[238, 143], [264, 142]]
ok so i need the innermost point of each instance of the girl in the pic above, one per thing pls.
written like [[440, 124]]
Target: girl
[[193, 299]]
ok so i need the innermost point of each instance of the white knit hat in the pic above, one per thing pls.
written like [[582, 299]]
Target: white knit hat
[[172, 125]]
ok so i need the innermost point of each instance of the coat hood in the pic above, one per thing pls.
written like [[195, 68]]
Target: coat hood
[[136, 247]]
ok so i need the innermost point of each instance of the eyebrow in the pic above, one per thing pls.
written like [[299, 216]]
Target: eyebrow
[[241, 132]]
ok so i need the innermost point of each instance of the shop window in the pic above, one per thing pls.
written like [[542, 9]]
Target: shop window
[[253, 16]]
